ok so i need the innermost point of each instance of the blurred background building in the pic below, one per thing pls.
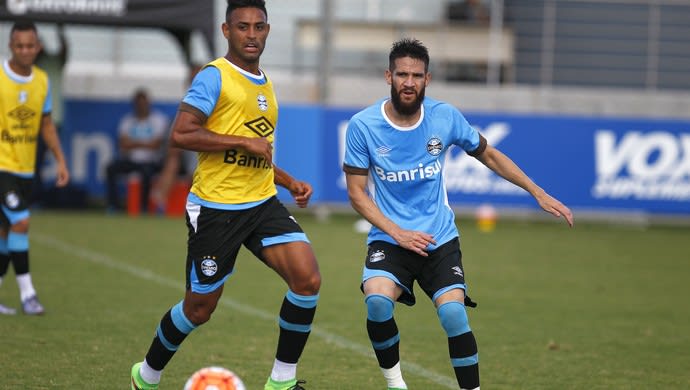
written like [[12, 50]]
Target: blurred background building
[[580, 45]]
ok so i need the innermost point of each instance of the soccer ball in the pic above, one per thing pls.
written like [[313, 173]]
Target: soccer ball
[[214, 378]]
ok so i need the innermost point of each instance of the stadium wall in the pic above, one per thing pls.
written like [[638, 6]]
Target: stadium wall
[[597, 164]]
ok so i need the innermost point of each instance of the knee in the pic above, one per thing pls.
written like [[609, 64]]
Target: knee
[[309, 285], [453, 318], [198, 314], [379, 307]]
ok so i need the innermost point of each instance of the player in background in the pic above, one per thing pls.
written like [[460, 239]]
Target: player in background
[[25, 107], [229, 116], [141, 135], [398, 145]]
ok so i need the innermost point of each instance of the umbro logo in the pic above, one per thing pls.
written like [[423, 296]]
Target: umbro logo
[[383, 150], [261, 126], [22, 113]]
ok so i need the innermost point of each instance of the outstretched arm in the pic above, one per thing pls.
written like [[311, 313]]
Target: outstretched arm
[[301, 191], [498, 162], [409, 239]]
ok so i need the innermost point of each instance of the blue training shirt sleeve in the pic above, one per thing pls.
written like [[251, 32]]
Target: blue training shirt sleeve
[[467, 137], [205, 90], [356, 154], [48, 103]]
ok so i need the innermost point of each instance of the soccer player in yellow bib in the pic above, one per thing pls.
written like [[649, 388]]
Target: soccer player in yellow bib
[[25, 107], [229, 117]]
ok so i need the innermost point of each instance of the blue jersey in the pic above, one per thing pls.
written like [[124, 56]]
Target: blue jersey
[[406, 164]]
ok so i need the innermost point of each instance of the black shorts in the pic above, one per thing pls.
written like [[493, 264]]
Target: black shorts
[[215, 237], [439, 272], [16, 198]]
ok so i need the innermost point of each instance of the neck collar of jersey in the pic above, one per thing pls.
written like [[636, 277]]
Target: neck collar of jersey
[[398, 127], [260, 77], [14, 76]]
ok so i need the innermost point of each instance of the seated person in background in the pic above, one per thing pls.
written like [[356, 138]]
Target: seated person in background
[[141, 135]]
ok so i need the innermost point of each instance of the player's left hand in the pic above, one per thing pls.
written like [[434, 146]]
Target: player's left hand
[[555, 207], [301, 192], [62, 176]]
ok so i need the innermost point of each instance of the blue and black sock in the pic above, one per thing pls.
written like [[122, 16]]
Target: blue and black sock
[[382, 329], [18, 248], [172, 330], [296, 317], [462, 345]]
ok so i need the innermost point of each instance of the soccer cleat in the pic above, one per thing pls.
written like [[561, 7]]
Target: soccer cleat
[[7, 310], [32, 306], [298, 385], [292, 384], [138, 383]]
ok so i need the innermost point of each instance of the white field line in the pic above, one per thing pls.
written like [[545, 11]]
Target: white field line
[[139, 272]]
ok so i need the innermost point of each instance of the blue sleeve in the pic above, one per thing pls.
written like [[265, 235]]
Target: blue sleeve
[[466, 136], [356, 151], [48, 103], [205, 90]]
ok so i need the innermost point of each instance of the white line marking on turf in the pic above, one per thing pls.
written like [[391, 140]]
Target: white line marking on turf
[[139, 272]]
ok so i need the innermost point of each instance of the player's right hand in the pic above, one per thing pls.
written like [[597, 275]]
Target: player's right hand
[[260, 147], [415, 241]]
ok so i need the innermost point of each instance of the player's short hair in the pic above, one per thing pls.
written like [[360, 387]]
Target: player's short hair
[[408, 47], [23, 25], [235, 4], [140, 92]]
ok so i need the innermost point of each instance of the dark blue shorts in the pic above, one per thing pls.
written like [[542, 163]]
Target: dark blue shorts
[[215, 237], [15, 193], [441, 271]]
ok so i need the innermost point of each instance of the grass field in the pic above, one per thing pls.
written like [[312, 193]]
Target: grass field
[[599, 306]]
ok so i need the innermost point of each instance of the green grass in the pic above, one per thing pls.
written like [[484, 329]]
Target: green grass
[[593, 307]]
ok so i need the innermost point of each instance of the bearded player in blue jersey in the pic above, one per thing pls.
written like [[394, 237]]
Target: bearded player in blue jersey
[[395, 151]]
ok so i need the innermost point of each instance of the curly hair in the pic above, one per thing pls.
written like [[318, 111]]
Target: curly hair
[[409, 47]]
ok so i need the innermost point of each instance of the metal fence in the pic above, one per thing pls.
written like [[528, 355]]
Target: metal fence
[[642, 44]]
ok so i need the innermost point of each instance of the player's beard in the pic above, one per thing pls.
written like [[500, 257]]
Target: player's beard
[[406, 108]]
